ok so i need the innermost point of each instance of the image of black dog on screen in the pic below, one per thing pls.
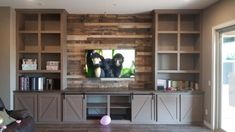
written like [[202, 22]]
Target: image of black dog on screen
[[105, 67], [95, 64], [117, 61]]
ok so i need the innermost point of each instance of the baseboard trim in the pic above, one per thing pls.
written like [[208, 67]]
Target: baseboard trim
[[207, 124]]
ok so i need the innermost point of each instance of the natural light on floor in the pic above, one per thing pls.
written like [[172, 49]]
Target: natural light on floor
[[228, 114]]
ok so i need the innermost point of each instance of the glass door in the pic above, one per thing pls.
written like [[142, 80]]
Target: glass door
[[227, 79]]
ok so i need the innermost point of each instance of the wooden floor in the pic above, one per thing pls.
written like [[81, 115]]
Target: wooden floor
[[120, 128]]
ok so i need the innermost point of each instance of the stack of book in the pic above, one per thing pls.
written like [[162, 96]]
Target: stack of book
[[27, 83]]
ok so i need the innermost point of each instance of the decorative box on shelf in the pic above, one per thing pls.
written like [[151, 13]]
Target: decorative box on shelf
[[52, 65], [29, 64]]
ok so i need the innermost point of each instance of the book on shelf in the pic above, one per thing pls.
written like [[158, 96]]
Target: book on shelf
[[27, 83]]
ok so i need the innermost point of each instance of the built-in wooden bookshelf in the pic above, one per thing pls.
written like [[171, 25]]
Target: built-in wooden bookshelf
[[41, 37], [177, 45]]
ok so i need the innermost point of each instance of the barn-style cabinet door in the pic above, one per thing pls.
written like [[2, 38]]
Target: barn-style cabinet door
[[73, 108], [167, 108], [49, 107], [191, 108], [26, 101], [143, 108]]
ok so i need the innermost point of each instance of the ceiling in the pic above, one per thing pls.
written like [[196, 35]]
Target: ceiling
[[108, 6]]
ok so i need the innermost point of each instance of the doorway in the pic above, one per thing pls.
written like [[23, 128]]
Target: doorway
[[225, 79]]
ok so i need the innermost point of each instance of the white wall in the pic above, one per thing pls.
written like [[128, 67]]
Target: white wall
[[7, 55]]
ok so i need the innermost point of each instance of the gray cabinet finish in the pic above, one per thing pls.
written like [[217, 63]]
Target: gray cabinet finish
[[143, 109], [73, 108], [49, 107], [26, 101], [159, 108], [167, 108], [191, 107]]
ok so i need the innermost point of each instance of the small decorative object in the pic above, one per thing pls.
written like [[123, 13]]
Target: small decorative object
[[29, 64], [18, 121], [49, 84], [41, 83], [52, 65], [174, 85], [196, 86], [105, 120], [161, 84], [191, 85]]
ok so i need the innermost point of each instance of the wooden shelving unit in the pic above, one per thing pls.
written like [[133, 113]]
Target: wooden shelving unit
[[97, 106], [117, 106], [41, 36], [177, 45], [120, 107]]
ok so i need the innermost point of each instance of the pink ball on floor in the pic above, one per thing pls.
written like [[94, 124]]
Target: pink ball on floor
[[4, 127], [105, 120], [18, 121]]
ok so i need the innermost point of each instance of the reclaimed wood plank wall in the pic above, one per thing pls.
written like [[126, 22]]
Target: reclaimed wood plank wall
[[108, 32]]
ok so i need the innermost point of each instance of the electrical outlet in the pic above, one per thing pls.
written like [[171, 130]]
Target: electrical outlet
[[206, 112], [209, 83]]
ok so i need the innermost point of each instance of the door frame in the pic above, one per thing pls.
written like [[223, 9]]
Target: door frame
[[215, 74]]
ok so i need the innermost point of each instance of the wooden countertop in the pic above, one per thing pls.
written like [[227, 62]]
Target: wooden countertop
[[111, 91]]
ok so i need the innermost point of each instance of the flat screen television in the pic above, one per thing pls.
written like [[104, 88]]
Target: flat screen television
[[110, 63]]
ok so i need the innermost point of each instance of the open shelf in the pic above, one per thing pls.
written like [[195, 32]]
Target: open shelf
[[167, 42], [120, 114], [189, 61], [28, 42], [167, 22], [120, 101], [190, 22], [40, 36], [50, 42], [190, 42], [167, 61], [96, 106], [28, 22], [33, 56], [120, 107], [39, 71], [50, 22], [31, 81], [49, 57], [178, 45]]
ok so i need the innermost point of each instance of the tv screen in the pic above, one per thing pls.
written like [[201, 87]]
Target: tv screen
[[110, 63]]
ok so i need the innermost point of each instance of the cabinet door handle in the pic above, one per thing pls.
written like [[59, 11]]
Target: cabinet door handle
[[83, 96]]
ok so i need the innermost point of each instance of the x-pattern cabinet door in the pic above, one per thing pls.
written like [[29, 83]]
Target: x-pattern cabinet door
[[26, 101], [73, 108], [49, 107], [168, 108], [143, 108], [191, 107]]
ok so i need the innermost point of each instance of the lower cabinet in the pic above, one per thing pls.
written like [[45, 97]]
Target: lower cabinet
[[49, 107], [143, 109], [73, 108], [167, 108], [191, 108], [159, 108], [26, 101], [44, 107]]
